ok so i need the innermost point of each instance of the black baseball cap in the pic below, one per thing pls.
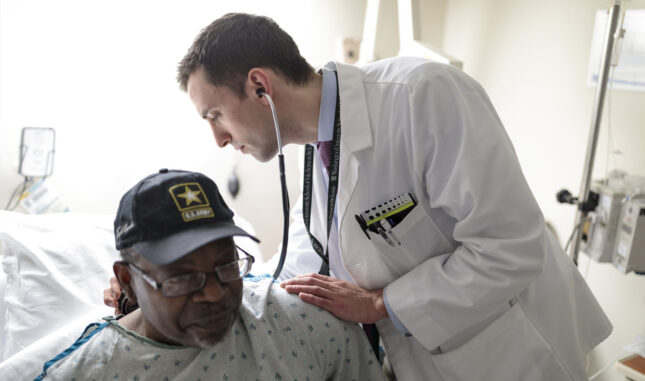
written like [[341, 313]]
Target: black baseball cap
[[170, 214]]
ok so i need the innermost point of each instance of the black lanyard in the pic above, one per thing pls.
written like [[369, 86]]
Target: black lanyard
[[331, 193]]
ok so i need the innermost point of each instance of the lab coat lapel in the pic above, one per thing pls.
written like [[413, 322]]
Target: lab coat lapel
[[356, 135]]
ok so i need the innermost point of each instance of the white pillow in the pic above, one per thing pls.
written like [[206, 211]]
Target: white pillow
[[56, 267]]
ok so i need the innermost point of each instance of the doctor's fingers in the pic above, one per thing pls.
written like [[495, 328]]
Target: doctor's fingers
[[108, 297], [311, 279], [110, 301], [111, 294], [333, 307], [316, 290], [314, 276]]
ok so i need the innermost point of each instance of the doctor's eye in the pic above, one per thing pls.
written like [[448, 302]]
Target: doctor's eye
[[214, 117]]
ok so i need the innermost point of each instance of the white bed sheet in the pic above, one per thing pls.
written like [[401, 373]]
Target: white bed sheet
[[55, 269]]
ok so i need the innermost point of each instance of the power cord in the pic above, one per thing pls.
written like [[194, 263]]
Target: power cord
[[573, 233], [16, 194]]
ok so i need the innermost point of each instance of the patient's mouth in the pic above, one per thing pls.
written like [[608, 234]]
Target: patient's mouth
[[209, 322]]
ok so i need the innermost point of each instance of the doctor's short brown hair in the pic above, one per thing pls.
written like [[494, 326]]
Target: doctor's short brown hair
[[237, 42]]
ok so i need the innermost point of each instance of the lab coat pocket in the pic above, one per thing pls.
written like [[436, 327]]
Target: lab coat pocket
[[420, 239], [511, 340]]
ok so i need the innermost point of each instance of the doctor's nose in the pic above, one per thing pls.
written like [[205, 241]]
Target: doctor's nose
[[222, 138]]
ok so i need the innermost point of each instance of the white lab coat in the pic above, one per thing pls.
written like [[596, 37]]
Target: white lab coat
[[486, 292]]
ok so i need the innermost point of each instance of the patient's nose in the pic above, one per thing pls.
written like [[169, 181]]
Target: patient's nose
[[213, 291]]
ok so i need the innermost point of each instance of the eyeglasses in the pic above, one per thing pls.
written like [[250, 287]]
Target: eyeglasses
[[188, 283]]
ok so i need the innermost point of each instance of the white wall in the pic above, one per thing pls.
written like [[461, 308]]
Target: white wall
[[532, 57], [102, 73]]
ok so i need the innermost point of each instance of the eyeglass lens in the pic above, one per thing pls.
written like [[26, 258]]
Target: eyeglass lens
[[188, 283]]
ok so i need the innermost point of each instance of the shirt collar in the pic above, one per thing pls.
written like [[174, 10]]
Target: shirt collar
[[327, 105]]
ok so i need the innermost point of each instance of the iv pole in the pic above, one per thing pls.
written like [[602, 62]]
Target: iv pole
[[605, 63]]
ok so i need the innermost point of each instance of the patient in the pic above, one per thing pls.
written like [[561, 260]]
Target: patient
[[197, 317]]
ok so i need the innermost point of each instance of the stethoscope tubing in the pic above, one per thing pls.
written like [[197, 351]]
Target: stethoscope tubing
[[285, 194]]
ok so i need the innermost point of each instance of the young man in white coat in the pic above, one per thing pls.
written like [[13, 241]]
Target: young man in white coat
[[464, 281]]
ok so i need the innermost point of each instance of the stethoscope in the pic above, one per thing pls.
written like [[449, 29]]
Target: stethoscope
[[283, 182]]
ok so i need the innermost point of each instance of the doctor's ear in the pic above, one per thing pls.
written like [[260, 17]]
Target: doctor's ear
[[258, 83]]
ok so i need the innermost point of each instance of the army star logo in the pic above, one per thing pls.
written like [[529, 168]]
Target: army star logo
[[190, 196], [191, 201]]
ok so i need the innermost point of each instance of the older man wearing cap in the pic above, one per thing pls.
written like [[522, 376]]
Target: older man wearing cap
[[197, 317]]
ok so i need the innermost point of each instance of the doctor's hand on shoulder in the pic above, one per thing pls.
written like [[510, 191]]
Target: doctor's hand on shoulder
[[112, 294], [343, 299], [114, 297]]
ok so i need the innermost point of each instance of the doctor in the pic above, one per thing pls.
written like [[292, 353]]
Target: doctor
[[477, 289]]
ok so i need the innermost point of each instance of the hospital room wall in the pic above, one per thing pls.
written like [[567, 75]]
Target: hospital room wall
[[103, 75], [532, 58]]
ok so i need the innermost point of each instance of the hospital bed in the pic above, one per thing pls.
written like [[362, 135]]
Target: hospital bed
[[54, 270]]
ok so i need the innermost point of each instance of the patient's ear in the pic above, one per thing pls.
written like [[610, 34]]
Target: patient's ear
[[122, 274]]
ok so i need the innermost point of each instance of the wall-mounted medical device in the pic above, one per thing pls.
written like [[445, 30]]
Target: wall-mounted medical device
[[600, 227], [37, 151], [615, 230], [630, 241]]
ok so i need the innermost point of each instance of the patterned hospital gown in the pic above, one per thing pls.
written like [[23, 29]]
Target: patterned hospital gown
[[275, 337]]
